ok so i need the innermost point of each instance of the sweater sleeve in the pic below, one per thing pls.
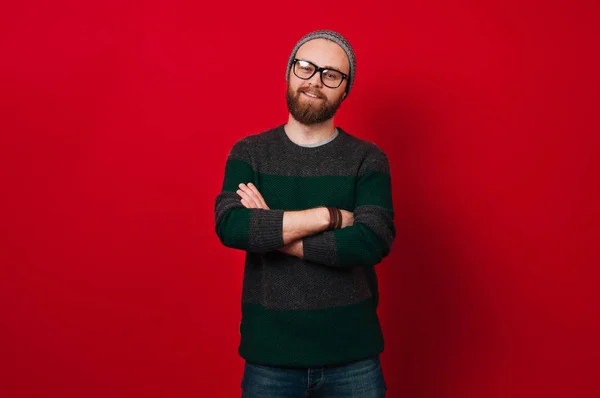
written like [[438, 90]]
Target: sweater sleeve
[[256, 230], [370, 238]]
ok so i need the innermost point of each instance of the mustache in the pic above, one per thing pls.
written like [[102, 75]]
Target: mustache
[[313, 92]]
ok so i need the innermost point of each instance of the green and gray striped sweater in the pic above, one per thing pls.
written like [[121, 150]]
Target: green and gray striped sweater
[[320, 310]]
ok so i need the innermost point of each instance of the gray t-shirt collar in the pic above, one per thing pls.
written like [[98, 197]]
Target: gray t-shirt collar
[[325, 141]]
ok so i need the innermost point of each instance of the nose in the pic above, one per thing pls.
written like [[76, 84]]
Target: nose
[[315, 80]]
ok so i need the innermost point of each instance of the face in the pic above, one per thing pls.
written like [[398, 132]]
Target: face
[[309, 101]]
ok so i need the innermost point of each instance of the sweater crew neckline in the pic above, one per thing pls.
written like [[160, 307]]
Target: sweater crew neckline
[[327, 143]]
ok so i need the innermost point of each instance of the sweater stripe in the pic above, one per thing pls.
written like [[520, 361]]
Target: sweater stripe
[[306, 338]]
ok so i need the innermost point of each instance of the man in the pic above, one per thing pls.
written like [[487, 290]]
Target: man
[[311, 205]]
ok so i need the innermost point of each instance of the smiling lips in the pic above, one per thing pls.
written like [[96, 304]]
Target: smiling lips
[[311, 95]]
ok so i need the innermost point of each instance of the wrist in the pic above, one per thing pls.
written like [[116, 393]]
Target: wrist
[[324, 218]]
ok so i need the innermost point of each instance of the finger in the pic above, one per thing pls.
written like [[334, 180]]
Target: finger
[[248, 205], [257, 193], [247, 198], [251, 194], [247, 193]]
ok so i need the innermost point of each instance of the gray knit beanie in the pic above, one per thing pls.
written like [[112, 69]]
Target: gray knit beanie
[[335, 37]]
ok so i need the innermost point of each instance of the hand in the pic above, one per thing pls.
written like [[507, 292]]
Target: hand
[[347, 218], [251, 198]]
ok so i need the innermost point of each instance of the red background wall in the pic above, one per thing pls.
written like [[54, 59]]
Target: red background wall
[[115, 124]]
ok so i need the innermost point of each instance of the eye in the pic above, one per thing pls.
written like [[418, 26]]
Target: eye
[[305, 66]]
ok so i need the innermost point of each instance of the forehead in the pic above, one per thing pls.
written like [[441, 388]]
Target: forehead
[[324, 53]]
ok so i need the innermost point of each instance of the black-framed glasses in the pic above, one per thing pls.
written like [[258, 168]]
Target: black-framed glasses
[[331, 78]]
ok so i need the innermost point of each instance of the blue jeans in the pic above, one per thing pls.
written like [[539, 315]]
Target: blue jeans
[[361, 379]]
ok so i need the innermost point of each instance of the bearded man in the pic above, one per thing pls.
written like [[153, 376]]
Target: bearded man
[[311, 205]]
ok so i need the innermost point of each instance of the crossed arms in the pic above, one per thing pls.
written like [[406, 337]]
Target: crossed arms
[[243, 220], [296, 224]]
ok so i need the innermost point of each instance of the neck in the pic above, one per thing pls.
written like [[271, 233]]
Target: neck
[[302, 134]]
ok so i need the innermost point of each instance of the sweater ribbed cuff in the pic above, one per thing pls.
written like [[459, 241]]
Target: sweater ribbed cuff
[[320, 248], [265, 230]]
